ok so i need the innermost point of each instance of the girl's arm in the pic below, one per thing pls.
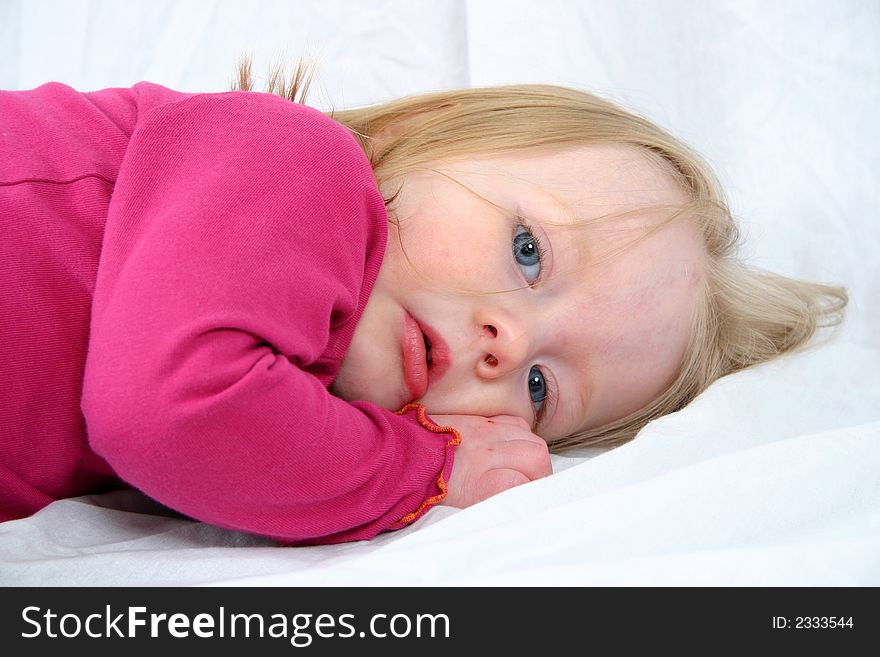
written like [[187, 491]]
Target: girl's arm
[[242, 229]]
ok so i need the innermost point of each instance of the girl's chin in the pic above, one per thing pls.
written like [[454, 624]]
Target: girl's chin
[[390, 401], [351, 390]]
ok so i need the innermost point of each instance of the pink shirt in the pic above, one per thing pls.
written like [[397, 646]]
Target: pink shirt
[[180, 276]]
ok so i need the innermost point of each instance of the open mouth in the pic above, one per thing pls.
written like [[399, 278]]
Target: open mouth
[[427, 349]]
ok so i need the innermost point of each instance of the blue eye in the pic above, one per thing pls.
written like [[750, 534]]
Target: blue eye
[[537, 390], [528, 253]]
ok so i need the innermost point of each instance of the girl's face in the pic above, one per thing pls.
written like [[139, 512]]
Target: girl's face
[[493, 265]]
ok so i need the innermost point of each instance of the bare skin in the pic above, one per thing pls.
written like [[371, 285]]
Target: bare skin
[[542, 346]]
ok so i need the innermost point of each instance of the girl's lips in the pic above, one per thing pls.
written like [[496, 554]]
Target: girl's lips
[[417, 374], [415, 365]]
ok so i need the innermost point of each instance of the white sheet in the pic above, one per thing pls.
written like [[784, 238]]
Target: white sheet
[[771, 477]]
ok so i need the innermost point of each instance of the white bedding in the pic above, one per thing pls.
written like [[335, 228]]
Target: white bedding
[[771, 477]]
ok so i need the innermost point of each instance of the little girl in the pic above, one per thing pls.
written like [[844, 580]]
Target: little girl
[[316, 327]]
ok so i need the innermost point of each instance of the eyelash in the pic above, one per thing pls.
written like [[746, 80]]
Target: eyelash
[[549, 399], [539, 245], [550, 395]]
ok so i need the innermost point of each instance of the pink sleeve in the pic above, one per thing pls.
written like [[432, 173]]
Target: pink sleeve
[[244, 235]]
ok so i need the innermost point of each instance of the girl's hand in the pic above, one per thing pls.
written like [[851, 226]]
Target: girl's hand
[[496, 453]]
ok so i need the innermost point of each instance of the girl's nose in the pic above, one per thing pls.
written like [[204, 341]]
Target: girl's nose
[[503, 344]]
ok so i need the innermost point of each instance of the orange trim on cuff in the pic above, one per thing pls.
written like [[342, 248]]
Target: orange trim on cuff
[[441, 482]]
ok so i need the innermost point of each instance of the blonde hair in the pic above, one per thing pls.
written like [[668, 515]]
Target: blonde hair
[[745, 315]]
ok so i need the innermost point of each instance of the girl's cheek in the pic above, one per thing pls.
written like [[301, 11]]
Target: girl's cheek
[[447, 254], [442, 260]]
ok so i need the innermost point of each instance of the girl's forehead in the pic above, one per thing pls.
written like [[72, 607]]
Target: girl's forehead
[[633, 257], [599, 181], [612, 213], [601, 199], [594, 165], [574, 184]]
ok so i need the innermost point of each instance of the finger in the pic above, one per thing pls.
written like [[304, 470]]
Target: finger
[[499, 480], [523, 431], [525, 456], [513, 420]]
